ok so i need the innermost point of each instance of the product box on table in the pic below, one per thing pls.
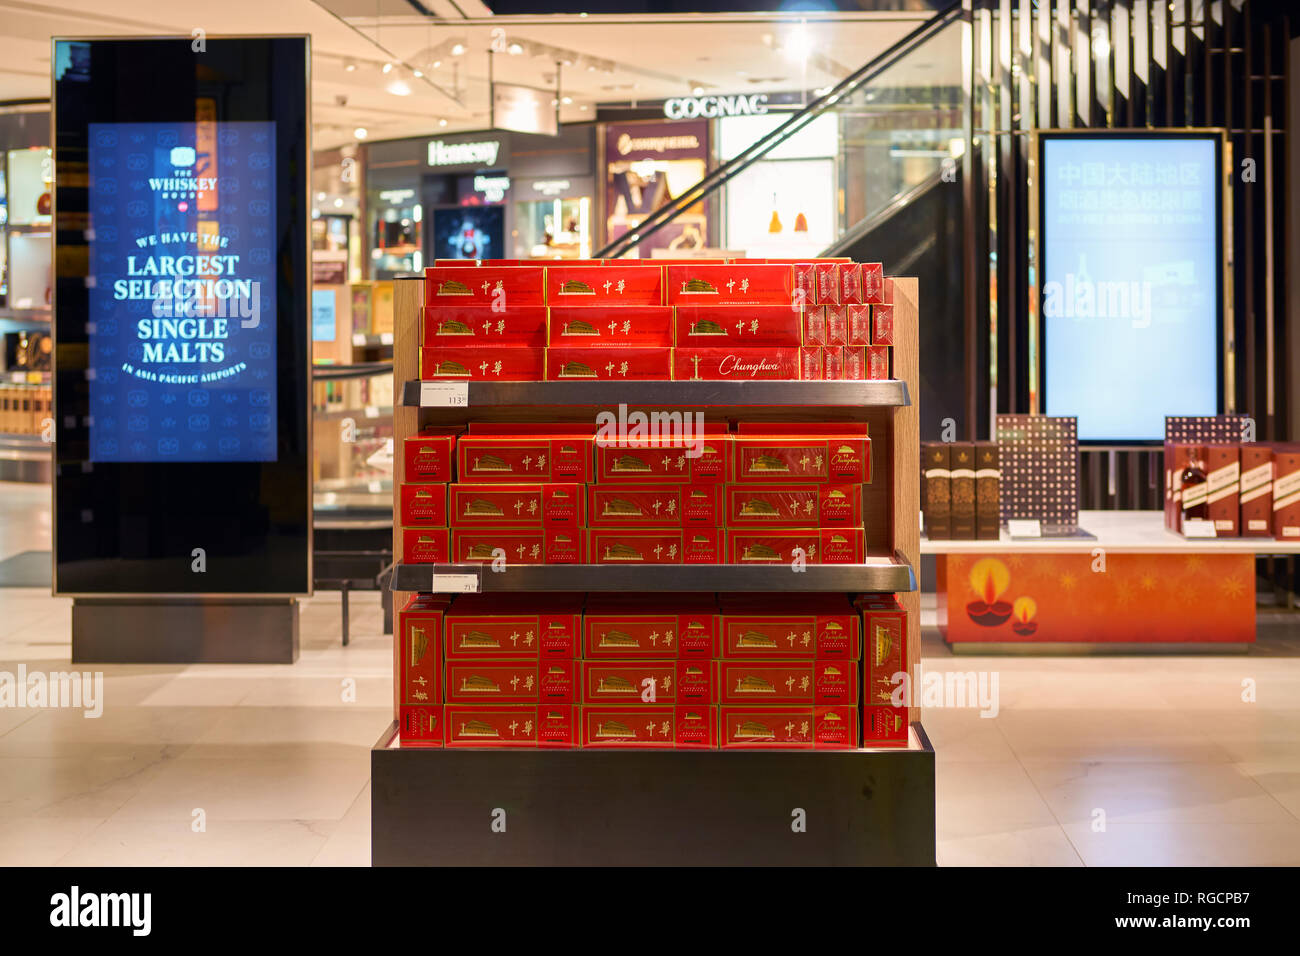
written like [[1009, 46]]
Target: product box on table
[[555, 504], [884, 725], [559, 545], [812, 364], [502, 286], [482, 326], [422, 503], [738, 364], [425, 546], [655, 546], [988, 476], [636, 627], [800, 453], [1222, 479], [789, 728], [962, 457], [608, 285], [513, 626], [649, 682], [744, 284], [655, 506], [765, 683], [505, 725], [1256, 491], [779, 546], [531, 681], [627, 326], [430, 455], [794, 506], [811, 627], [703, 459], [525, 453], [649, 727], [495, 364], [1286, 491], [606, 364], [884, 631], [936, 499], [737, 326]]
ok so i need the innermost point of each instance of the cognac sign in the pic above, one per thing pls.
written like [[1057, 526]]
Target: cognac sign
[[689, 107]]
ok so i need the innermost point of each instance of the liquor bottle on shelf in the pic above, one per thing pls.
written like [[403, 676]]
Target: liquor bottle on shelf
[[1196, 491]]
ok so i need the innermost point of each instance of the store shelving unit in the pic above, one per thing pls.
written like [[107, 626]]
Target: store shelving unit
[[436, 806]]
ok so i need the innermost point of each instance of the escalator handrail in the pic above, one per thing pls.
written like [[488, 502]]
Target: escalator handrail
[[743, 160], [878, 218]]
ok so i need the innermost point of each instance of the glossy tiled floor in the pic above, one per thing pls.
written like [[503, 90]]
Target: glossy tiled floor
[[1090, 761]]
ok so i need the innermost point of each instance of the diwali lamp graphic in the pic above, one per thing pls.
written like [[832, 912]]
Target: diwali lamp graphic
[[989, 578], [1022, 616]]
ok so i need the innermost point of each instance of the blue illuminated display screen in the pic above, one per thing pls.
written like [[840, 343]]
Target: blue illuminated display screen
[[1130, 282], [182, 322]]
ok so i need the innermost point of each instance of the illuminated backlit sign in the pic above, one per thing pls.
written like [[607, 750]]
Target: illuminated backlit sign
[[690, 107]]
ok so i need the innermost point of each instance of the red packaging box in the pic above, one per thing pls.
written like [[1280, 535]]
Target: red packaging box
[[477, 725], [425, 546], [423, 504], [876, 289], [667, 460], [653, 546], [482, 326], [628, 326], [513, 626], [833, 357], [614, 285], [486, 457], [649, 682], [563, 545], [794, 506], [1222, 478], [429, 455], [877, 363], [814, 326], [837, 324], [498, 364], [882, 326], [854, 361], [757, 364], [884, 726], [748, 284], [778, 683], [789, 728], [819, 629], [828, 283], [502, 286], [1256, 491], [747, 326], [605, 364], [655, 506], [851, 283], [858, 321], [1286, 491], [812, 366], [419, 637], [805, 284], [512, 682], [644, 728], [518, 506], [778, 546], [800, 453], [629, 629], [884, 632], [421, 726]]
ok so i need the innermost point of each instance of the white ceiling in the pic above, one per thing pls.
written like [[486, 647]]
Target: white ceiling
[[611, 59]]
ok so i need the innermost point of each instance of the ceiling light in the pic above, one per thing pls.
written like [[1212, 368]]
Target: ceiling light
[[798, 44], [437, 63], [338, 203], [349, 66], [442, 122], [320, 197], [567, 100], [697, 91], [458, 49], [360, 133], [417, 74], [388, 67], [515, 49], [583, 106], [398, 87]]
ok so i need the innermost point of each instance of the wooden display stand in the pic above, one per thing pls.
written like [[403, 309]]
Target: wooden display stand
[[889, 824]]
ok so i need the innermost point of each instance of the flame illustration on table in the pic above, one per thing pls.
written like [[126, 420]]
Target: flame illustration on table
[[989, 578], [1023, 611]]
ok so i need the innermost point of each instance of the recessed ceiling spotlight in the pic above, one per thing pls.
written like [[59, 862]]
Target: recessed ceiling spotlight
[[697, 91], [388, 68], [567, 100], [338, 203], [458, 49], [320, 197], [442, 122], [399, 87], [437, 63], [583, 107], [515, 49], [360, 132], [417, 74], [349, 66]]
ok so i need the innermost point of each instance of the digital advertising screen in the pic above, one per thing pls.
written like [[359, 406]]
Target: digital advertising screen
[[469, 232], [1130, 286]]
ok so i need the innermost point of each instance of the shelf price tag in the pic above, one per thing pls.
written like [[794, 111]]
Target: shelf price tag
[[455, 583], [385, 338], [444, 394], [1024, 528], [372, 411], [358, 339], [1198, 528]]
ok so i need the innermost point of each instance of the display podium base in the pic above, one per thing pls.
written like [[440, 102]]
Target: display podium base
[[184, 631], [652, 807]]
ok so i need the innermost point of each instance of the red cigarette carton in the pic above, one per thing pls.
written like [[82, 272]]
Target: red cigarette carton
[[561, 545], [837, 324], [1286, 491], [423, 504], [655, 506], [812, 366], [420, 726], [614, 284], [884, 726], [424, 546], [518, 506], [649, 682], [885, 641], [480, 326], [805, 284], [542, 726], [643, 728], [606, 364], [502, 286], [794, 506], [513, 626], [828, 629], [419, 651], [497, 364], [877, 363], [429, 455], [747, 284], [626, 326], [487, 457], [828, 283], [740, 364], [665, 460], [512, 682], [876, 290], [858, 325], [854, 361], [851, 283], [737, 326], [779, 546], [789, 728], [655, 546], [768, 683], [814, 325], [1256, 491], [833, 357], [800, 453], [882, 326], [630, 629]]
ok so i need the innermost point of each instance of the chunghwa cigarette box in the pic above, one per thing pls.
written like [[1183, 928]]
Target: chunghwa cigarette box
[[800, 453], [1256, 491], [655, 506], [495, 364], [837, 324], [647, 727], [884, 726], [877, 363], [631, 630], [736, 364], [1286, 491], [605, 364], [750, 284], [429, 456], [425, 545], [423, 504], [479, 326], [828, 282], [421, 726], [608, 285], [833, 358], [765, 683], [419, 636], [851, 283], [822, 632], [504, 725], [513, 626], [668, 460], [1222, 477], [805, 284], [482, 457], [731, 326], [875, 286], [812, 365], [502, 286], [649, 682], [512, 682], [518, 506], [561, 545], [858, 322], [786, 545], [794, 506], [655, 546], [884, 632], [814, 325], [789, 728], [628, 326], [882, 325], [854, 364]]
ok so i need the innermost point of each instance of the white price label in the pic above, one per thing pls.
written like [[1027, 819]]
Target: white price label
[[455, 583], [385, 338], [375, 487], [372, 411], [1024, 528], [1198, 528], [444, 394], [358, 339]]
